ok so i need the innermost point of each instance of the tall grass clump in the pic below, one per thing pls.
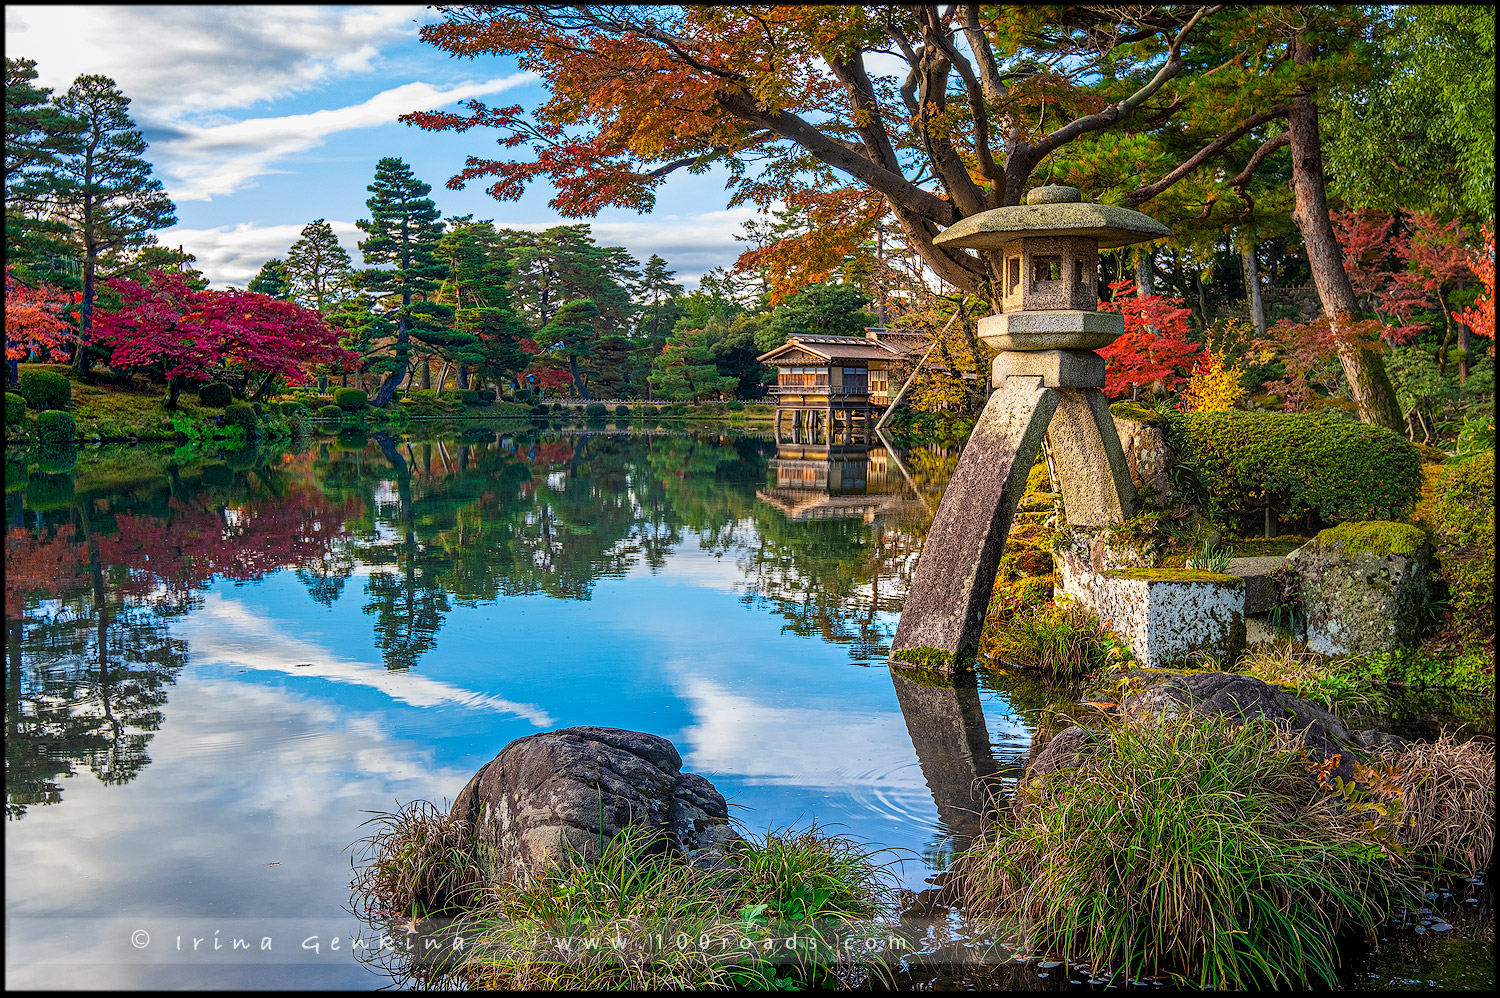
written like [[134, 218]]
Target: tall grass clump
[[615, 923], [1065, 640], [1190, 849]]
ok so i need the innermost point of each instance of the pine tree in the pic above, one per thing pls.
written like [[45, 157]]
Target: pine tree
[[404, 230], [659, 309], [107, 195], [318, 268], [271, 280], [37, 135], [487, 333]]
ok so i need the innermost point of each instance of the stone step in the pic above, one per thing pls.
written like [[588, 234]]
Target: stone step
[[1259, 592]]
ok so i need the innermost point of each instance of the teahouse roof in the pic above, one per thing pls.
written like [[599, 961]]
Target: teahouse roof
[[834, 348]]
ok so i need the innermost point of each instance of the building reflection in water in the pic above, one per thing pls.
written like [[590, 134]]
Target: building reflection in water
[[821, 481]]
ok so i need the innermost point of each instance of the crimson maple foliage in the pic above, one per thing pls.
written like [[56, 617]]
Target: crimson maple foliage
[[186, 333], [37, 320], [1399, 268], [1155, 346], [1480, 317]]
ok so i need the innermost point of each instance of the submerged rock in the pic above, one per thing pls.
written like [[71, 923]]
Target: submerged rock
[[549, 798]]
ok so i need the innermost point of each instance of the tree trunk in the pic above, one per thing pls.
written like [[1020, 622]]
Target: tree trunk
[[1369, 385], [578, 385], [388, 388], [1463, 340], [426, 375], [442, 378], [173, 390], [461, 378], [1252, 286], [1143, 254]]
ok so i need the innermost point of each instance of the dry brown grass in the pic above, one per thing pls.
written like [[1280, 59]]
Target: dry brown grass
[[1447, 792]]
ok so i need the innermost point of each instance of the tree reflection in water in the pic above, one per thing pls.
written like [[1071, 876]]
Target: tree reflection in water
[[100, 558]]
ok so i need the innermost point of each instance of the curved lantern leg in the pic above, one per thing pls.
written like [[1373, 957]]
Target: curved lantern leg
[[944, 612], [950, 592]]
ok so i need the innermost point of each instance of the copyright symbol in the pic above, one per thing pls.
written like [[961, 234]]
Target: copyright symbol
[[140, 939]]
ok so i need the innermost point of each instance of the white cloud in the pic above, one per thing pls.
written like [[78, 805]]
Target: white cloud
[[227, 632], [187, 58], [233, 254], [221, 159], [691, 244]]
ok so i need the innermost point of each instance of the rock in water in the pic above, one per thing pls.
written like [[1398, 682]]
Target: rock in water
[[560, 795]]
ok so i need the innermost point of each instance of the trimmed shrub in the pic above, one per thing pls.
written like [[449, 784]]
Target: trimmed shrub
[[330, 412], [215, 394], [524, 396], [240, 414], [287, 408], [467, 396], [557, 407], [622, 412], [350, 399], [1300, 463], [316, 402], [734, 406], [596, 410], [45, 390], [540, 409], [15, 409], [56, 429]]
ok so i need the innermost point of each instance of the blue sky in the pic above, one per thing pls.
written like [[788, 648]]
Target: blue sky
[[262, 119]]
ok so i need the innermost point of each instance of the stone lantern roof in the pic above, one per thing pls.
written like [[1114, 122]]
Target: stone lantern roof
[[1053, 211]]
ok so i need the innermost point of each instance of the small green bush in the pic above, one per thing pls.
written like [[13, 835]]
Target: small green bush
[[1300, 463], [44, 390], [467, 396], [56, 429], [240, 414], [734, 406], [215, 395], [15, 409], [350, 399], [316, 402], [596, 410], [622, 412], [330, 412], [287, 408]]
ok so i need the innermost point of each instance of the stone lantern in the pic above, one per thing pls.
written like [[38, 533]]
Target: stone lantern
[[1048, 382]]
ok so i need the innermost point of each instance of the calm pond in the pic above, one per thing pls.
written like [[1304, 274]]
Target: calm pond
[[218, 668]]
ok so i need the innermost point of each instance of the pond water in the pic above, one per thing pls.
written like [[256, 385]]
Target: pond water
[[219, 668]]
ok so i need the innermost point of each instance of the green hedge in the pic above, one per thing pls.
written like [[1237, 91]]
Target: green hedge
[[350, 399], [55, 428], [595, 410], [622, 412], [467, 396], [1301, 463], [15, 409], [240, 414], [215, 395], [540, 409], [46, 390], [330, 412], [287, 408]]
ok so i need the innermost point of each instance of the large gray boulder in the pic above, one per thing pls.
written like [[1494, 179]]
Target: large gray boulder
[[557, 797], [1366, 587]]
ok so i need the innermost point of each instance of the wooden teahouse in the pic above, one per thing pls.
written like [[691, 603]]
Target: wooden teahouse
[[831, 390]]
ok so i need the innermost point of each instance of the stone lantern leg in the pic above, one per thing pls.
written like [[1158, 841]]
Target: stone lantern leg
[[1047, 382]]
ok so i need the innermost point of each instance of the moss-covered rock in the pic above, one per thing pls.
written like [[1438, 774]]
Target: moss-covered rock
[[1367, 588]]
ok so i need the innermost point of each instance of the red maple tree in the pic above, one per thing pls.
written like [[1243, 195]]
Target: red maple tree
[[1155, 346], [37, 320], [1480, 317], [186, 334]]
